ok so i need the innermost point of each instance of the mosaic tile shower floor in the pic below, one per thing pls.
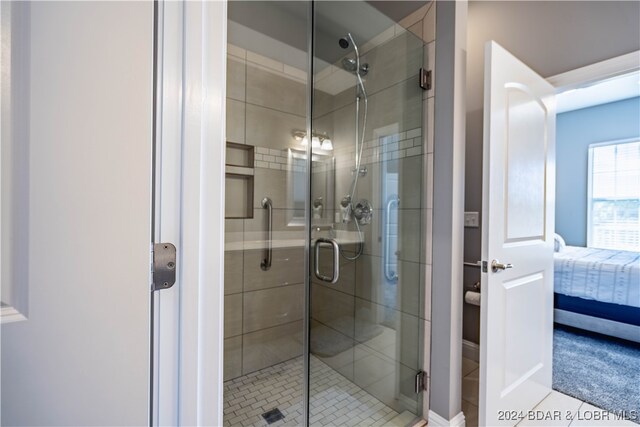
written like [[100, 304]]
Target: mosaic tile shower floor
[[335, 401]]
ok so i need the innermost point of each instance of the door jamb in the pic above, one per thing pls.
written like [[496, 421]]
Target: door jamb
[[189, 340]]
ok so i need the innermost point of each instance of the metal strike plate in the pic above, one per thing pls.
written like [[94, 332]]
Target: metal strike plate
[[164, 266]]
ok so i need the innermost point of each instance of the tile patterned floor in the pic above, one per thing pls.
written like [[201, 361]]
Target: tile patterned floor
[[335, 401], [574, 412]]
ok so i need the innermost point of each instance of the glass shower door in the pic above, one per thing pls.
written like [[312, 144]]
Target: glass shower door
[[367, 250]]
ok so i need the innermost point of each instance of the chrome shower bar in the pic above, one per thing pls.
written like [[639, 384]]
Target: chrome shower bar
[[268, 205]]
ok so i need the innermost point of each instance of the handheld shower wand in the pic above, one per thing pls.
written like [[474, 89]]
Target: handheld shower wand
[[361, 94], [362, 211]]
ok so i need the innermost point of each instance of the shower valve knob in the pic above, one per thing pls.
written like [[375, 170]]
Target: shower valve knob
[[363, 212]]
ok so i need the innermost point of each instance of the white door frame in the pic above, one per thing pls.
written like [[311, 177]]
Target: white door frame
[[189, 172]]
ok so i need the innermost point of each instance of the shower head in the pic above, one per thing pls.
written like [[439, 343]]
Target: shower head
[[350, 64], [343, 42]]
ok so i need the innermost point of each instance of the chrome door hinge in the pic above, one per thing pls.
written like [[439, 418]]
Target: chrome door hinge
[[421, 382], [425, 79], [164, 266]]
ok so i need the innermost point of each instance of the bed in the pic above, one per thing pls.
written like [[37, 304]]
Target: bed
[[598, 290]]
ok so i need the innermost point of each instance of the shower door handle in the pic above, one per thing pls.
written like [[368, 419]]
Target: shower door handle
[[336, 260], [268, 205]]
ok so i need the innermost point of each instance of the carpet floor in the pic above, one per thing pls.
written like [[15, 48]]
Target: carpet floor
[[599, 370]]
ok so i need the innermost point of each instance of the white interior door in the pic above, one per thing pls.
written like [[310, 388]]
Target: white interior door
[[80, 355], [516, 328]]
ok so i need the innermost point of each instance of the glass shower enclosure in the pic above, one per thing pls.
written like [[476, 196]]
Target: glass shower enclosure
[[325, 254]]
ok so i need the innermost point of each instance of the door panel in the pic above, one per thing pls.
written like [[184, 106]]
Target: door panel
[[526, 128], [82, 355], [366, 329], [517, 307]]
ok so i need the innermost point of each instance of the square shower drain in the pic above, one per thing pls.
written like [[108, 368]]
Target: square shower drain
[[273, 415]]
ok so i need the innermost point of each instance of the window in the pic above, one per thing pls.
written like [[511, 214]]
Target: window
[[614, 196]]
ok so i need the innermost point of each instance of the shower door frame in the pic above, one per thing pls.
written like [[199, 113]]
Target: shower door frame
[[188, 347]]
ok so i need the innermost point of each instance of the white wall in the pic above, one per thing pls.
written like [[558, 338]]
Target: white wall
[[81, 358]]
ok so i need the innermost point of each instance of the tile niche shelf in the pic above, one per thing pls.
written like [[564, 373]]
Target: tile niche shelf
[[239, 177]]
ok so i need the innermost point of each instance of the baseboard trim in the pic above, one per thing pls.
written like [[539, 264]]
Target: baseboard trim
[[438, 421], [471, 350]]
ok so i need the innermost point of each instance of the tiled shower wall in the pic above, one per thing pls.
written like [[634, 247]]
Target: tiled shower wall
[[266, 100]]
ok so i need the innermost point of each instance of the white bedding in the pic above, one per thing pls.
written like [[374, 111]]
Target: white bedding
[[598, 274]]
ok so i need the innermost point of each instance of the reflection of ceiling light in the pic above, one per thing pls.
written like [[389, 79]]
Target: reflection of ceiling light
[[318, 140]]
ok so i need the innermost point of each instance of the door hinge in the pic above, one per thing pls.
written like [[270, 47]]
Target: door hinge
[[164, 266], [421, 382], [484, 266], [425, 79]]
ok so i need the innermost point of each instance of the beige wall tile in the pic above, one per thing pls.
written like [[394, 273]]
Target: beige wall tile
[[425, 291], [372, 322], [427, 240], [256, 227], [232, 315], [430, 117], [426, 352], [369, 278], [235, 121], [394, 61], [233, 272], [273, 184], [287, 267], [411, 235], [333, 308], [371, 319], [236, 51], [275, 90], [232, 358], [233, 229], [272, 307], [416, 29], [371, 367], [322, 103], [409, 288], [411, 183], [373, 235], [268, 347], [429, 24], [427, 201], [264, 61], [411, 345], [430, 64], [272, 129], [236, 79], [399, 105]]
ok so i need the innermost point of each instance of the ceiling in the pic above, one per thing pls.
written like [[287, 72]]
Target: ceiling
[[287, 21], [610, 90]]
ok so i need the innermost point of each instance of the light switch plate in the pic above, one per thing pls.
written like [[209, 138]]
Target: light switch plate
[[472, 219]]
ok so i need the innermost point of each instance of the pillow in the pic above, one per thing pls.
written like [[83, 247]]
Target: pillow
[[558, 243]]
